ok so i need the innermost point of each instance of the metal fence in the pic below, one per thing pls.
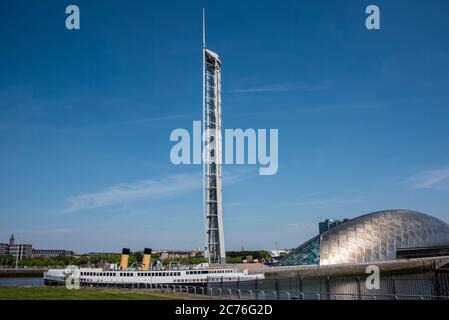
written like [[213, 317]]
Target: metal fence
[[430, 286], [250, 294]]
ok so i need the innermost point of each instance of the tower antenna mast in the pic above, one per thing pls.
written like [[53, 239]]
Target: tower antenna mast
[[204, 28]]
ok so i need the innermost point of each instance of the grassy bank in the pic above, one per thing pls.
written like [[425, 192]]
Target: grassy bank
[[60, 293]]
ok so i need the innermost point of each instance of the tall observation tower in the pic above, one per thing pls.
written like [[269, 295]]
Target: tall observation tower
[[213, 213]]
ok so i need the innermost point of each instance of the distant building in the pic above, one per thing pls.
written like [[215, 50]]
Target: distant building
[[4, 248], [166, 255], [21, 251], [48, 254], [329, 224], [277, 253]]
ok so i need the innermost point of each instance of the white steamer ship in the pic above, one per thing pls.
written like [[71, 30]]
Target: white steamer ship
[[199, 275]]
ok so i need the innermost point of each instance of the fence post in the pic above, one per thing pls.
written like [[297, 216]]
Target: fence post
[[256, 287], [437, 283], [394, 284], [358, 288], [277, 287]]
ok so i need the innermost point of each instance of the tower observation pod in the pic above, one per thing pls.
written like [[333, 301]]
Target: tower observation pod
[[213, 213]]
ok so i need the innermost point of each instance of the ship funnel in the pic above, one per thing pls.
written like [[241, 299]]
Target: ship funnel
[[146, 262], [125, 258]]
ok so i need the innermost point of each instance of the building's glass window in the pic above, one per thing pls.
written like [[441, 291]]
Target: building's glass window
[[307, 254]]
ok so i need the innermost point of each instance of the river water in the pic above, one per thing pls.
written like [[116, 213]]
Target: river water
[[21, 282]]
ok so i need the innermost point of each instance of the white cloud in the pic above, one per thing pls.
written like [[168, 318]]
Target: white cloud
[[127, 192], [430, 179], [120, 194]]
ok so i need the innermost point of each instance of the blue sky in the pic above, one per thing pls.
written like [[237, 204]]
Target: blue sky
[[85, 118]]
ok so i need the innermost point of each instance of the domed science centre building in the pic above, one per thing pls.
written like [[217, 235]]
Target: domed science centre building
[[374, 237]]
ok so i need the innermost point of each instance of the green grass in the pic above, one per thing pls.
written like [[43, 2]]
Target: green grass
[[62, 293]]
